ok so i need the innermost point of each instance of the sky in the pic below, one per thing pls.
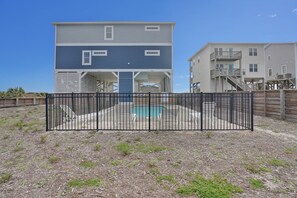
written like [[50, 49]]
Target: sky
[[27, 35]]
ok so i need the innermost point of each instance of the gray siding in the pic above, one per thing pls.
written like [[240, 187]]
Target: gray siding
[[280, 54], [118, 57], [123, 33]]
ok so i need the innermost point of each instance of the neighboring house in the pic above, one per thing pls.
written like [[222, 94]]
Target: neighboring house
[[113, 56], [221, 67], [281, 65]]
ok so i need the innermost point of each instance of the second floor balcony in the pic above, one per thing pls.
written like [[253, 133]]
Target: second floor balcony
[[225, 55], [223, 72]]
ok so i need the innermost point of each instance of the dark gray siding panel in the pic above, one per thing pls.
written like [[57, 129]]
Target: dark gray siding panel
[[126, 86], [118, 57], [126, 82]]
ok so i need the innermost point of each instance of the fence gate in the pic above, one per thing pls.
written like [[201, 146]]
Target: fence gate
[[149, 111]]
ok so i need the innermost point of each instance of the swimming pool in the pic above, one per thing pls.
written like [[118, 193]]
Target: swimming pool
[[143, 111]]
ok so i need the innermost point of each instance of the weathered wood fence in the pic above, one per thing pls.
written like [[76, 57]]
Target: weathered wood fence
[[26, 101], [281, 104]]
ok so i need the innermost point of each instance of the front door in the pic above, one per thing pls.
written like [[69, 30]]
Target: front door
[[126, 86]]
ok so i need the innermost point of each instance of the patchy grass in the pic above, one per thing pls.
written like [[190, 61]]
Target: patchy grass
[[277, 162], [256, 183], [117, 162], [5, 177], [20, 124], [43, 139], [137, 139], [149, 148], [167, 178], [154, 171], [209, 134], [19, 147], [176, 164], [97, 147], [87, 164], [54, 159], [124, 148], [214, 187], [127, 148], [289, 150], [255, 168], [78, 183]]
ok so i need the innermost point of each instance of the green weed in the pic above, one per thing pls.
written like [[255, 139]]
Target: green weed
[[43, 139], [97, 147], [87, 164], [168, 178], [256, 183], [124, 148], [277, 162], [5, 177], [54, 159], [78, 183], [214, 187]]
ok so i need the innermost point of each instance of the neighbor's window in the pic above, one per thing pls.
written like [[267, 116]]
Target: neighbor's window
[[152, 28], [152, 52], [253, 67], [284, 69], [268, 57], [253, 52], [99, 53], [270, 72], [108, 32], [86, 57]]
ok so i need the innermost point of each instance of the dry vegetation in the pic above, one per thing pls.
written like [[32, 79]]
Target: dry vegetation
[[35, 163]]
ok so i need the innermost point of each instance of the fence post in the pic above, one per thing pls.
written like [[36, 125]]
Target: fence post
[[231, 106], [282, 104], [72, 102], [97, 109], [149, 110], [201, 111], [252, 111], [46, 112]]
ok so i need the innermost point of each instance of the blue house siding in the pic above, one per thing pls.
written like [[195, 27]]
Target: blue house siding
[[118, 57]]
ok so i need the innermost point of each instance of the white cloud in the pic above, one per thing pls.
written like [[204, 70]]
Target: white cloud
[[272, 15], [294, 11]]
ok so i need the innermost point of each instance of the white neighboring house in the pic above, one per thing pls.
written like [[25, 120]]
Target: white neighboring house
[[221, 67], [280, 65]]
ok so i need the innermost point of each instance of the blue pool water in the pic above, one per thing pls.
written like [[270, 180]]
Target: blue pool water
[[143, 111]]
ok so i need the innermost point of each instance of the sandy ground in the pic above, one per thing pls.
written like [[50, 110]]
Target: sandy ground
[[26, 151]]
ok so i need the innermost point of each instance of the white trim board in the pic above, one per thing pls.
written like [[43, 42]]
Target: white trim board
[[114, 44]]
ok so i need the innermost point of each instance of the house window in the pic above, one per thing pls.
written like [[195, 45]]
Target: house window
[[152, 52], [270, 72], [86, 57], [284, 69], [152, 28], [253, 52], [253, 67], [220, 67], [219, 51], [108, 32], [268, 57], [99, 53]]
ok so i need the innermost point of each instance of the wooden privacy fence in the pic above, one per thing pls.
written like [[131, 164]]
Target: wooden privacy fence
[[15, 102], [281, 104]]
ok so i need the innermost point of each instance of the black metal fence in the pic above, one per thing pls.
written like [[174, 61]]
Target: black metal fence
[[149, 111]]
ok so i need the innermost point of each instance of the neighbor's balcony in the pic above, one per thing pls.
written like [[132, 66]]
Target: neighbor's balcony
[[214, 73], [225, 55]]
